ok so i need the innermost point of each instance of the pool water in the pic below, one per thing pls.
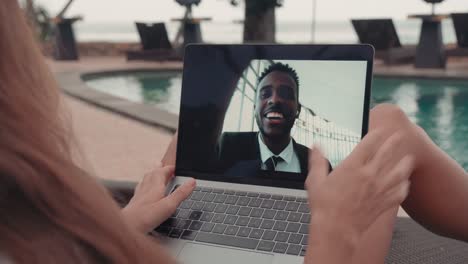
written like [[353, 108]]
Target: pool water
[[439, 106]]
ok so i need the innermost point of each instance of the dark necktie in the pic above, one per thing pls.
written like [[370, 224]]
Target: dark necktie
[[272, 162]]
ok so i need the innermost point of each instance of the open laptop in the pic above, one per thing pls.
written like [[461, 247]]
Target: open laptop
[[248, 114]]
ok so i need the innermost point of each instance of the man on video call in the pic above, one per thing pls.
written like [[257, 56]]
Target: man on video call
[[272, 149]]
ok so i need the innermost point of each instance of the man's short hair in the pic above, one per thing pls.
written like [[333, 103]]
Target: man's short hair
[[280, 67]]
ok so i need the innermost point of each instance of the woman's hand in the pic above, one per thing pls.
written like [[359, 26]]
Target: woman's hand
[[374, 178], [149, 206]]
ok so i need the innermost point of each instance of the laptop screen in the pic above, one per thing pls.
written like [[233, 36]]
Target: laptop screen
[[250, 113]]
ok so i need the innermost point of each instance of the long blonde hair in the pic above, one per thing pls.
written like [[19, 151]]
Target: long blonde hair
[[51, 211]]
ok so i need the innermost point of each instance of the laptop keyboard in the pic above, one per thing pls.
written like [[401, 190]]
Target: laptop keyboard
[[249, 220]]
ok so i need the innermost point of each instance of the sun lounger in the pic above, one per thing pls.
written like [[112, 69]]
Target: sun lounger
[[412, 244], [154, 42], [460, 23], [381, 34]]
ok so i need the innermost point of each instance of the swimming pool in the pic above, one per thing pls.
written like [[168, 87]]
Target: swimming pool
[[439, 106]]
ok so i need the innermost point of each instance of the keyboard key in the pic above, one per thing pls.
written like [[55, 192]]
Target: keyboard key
[[230, 219], [197, 188], [221, 208], [305, 219], [206, 217], [197, 196], [293, 227], [206, 189], [163, 230], [304, 229], [267, 204], [257, 212], [294, 217], [281, 215], [280, 226], [279, 205], [267, 224], [265, 195], [301, 199], [232, 241], [269, 214], [220, 198], [305, 240], [255, 202], [171, 222], [219, 228], [233, 209], [231, 230], [184, 214], [183, 224], [229, 192], [303, 251], [218, 190], [187, 204], [244, 211], [175, 233], [292, 206], [196, 225], [241, 193], [218, 218], [244, 231], [303, 208], [280, 248], [256, 233], [289, 198], [252, 194], [269, 235], [265, 245], [243, 201], [295, 239], [209, 197], [195, 215], [282, 237], [198, 205], [209, 207], [294, 249], [242, 221], [207, 227], [255, 222], [231, 199], [277, 197]]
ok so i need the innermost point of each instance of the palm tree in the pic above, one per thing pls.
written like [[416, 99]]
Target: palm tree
[[259, 21]]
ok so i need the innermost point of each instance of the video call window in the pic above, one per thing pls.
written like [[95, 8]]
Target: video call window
[[286, 106]]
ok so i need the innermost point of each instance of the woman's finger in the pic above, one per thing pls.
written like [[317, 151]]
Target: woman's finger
[[366, 148], [401, 172], [318, 167], [385, 156], [167, 206], [167, 173]]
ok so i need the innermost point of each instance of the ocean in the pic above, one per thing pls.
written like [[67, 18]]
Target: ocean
[[230, 32]]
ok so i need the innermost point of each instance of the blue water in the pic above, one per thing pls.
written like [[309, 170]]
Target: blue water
[[440, 107]]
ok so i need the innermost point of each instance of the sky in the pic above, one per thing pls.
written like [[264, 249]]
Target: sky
[[221, 10]]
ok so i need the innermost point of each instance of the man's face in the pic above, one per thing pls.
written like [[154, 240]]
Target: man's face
[[276, 104]]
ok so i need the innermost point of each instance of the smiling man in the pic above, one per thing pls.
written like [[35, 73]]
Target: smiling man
[[272, 148]]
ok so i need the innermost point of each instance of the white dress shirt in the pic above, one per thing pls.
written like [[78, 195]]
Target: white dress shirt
[[290, 162]]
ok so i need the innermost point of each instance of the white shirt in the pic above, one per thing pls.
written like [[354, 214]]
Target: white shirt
[[290, 162]]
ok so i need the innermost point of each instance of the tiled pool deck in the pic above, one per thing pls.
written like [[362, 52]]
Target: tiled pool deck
[[125, 145]]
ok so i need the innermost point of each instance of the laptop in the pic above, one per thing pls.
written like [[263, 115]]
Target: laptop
[[248, 115]]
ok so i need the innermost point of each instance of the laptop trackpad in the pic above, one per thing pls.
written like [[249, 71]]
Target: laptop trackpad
[[201, 254]]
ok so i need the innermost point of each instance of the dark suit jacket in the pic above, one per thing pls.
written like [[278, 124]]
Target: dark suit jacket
[[239, 154]]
